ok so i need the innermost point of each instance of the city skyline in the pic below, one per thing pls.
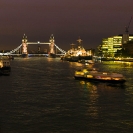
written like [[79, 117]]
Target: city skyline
[[66, 20]]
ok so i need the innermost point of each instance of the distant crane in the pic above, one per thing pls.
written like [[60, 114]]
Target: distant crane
[[127, 27]]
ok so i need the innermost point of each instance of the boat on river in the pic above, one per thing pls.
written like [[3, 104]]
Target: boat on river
[[5, 67], [78, 53], [94, 75]]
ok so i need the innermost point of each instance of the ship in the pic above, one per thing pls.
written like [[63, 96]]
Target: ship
[[76, 54], [5, 67], [94, 75]]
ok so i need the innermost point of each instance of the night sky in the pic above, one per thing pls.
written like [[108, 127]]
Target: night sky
[[67, 20]]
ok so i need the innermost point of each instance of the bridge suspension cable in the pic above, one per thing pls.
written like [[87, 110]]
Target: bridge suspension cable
[[12, 51], [60, 49], [16, 49]]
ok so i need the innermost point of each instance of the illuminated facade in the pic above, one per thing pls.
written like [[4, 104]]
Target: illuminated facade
[[51, 45], [112, 45], [24, 45]]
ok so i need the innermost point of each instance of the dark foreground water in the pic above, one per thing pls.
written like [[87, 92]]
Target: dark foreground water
[[41, 96]]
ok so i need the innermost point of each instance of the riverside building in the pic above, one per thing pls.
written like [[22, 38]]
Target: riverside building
[[112, 46]]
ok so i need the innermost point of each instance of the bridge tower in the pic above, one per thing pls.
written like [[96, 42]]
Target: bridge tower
[[24, 46], [51, 45]]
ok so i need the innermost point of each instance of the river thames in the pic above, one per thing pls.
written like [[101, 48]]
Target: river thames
[[42, 96]]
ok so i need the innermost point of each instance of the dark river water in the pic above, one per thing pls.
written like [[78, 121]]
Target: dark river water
[[41, 96]]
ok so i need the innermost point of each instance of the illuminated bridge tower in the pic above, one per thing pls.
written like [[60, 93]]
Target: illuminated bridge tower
[[51, 46], [24, 46]]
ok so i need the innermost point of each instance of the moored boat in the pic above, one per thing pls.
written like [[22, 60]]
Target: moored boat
[[5, 67], [78, 53], [94, 75]]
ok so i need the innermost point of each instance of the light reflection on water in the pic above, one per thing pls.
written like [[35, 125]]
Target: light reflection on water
[[42, 96], [93, 98]]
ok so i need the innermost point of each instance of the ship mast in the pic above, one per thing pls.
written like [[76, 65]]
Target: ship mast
[[79, 43], [72, 46]]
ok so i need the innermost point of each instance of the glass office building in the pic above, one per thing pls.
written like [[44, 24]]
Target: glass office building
[[113, 45]]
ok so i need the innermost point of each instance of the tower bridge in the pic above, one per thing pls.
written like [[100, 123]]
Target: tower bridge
[[38, 42], [23, 48]]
